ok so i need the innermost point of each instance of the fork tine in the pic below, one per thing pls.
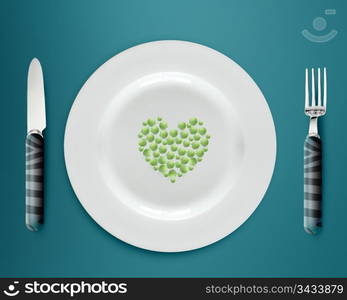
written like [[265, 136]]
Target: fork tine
[[306, 89], [325, 88], [313, 101], [319, 98]]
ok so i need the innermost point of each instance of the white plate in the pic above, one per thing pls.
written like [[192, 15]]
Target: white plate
[[176, 81]]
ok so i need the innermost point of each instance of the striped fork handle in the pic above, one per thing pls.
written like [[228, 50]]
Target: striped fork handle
[[34, 181], [312, 184]]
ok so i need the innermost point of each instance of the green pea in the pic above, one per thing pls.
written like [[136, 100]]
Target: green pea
[[172, 175], [193, 161], [170, 141], [150, 138], [150, 122], [196, 137], [156, 154], [200, 152], [154, 146], [154, 162], [163, 169], [186, 143], [182, 125], [183, 169], [202, 130], [164, 142], [172, 172], [193, 121], [162, 160], [173, 148], [178, 164], [145, 130], [142, 143], [173, 132], [195, 145], [140, 149], [159, 118], [147, 152], [170, 164], [184, 134], [158, 140], [201, 123], [191, 153], [170, 155], [184, 160], [164, 134], [163, 125], [181, 151], [204, 142], [162, 149], [155, 130], [178, 141], [193, 130], [140, 135]]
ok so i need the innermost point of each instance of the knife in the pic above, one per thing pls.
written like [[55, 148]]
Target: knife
[[36, 123]]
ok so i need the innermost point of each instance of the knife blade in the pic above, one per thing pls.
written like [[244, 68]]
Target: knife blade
[[34, 157]]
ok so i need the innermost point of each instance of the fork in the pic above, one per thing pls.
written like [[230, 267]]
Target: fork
[[313, 153]]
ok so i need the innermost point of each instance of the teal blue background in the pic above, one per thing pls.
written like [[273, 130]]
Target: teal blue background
[[72, 38]]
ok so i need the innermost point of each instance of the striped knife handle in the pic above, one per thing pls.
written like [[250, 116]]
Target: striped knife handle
[[34, 181], [312, 184]]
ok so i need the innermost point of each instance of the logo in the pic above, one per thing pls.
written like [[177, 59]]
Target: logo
[[319, 24], [12, 290], [68, 288]]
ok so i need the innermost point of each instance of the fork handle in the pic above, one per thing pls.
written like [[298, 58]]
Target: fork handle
[[312, 184]]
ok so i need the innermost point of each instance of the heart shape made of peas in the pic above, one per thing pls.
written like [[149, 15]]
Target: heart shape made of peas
[[173, 152]]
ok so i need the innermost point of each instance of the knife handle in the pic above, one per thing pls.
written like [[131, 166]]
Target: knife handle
[[312, 184], [34, 180]]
